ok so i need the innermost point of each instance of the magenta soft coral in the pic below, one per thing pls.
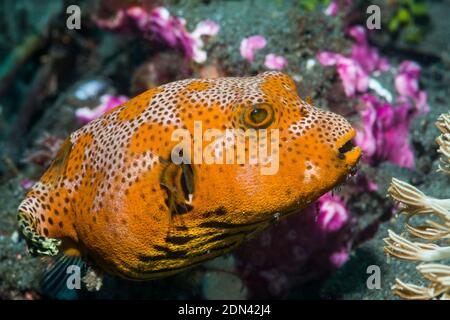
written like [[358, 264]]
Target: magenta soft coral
[[384, 127], [383, 132], [107, 102], [300, 248], [170, 29], [407, 86], [355, 69]]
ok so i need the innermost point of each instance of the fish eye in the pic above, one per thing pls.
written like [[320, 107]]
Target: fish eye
[[258, 116]]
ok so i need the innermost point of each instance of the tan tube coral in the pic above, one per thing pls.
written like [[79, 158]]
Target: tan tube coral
[[411, 201]]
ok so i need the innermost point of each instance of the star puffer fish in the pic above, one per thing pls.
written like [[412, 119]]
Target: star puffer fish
[[113, 195]]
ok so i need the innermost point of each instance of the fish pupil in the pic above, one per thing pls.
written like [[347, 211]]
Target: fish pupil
[[258, 115]]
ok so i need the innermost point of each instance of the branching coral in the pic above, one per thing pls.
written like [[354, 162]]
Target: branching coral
[[411, 201]]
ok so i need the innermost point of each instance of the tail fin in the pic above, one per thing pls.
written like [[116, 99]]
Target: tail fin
[[37, 244], [55, 283], [29, 208]]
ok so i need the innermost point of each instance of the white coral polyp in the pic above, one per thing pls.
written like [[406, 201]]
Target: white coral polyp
[[412, 201], [443, 124]]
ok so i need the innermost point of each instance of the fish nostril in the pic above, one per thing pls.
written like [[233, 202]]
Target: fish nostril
[[346, 148]]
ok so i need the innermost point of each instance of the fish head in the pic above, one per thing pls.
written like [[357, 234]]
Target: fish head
[[260, 150]]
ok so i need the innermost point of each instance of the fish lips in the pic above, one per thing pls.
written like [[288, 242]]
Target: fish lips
[[347, 151]]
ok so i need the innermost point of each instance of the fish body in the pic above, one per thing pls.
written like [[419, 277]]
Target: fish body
[[115, 196]]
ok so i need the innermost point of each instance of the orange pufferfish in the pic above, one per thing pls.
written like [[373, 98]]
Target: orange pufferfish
[[113, 196]]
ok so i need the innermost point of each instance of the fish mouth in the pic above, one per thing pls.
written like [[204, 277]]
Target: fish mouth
[[347, 151], [348, 146]]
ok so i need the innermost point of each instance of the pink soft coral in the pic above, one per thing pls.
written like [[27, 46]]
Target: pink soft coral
[[171, 29], [299, 249], [332, 212], [383, 134], [355, 69], [353, 77], [274, 62], [407, 85], [107, 103], [368, 58], [250, 45], [27, 183], [333, 8]]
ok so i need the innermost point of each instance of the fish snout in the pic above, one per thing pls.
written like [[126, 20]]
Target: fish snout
[[346, 149]]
